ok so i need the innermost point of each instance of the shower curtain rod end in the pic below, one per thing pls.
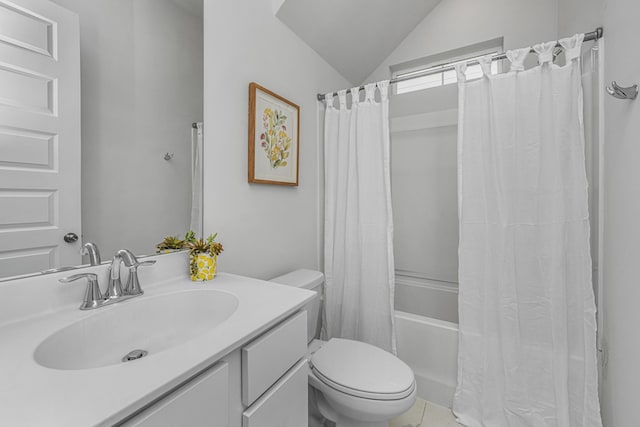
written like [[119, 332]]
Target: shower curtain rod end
[[320, 97], [599, 32]]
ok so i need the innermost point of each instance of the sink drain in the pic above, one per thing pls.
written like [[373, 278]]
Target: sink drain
[[134, 355]]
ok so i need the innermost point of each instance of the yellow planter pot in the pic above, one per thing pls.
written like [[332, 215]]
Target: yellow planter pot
[[202, 267]]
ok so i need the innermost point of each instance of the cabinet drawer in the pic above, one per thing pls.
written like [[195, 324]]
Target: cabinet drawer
[[202, 401], [268, 358], [285, 404]]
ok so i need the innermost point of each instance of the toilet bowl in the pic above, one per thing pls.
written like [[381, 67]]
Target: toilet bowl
[[354, 384]]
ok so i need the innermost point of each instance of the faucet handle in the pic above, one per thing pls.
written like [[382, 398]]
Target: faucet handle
[[133, 283], [92, 296], [146, 263]]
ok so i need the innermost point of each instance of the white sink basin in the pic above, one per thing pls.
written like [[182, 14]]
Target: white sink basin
[[152, 324]]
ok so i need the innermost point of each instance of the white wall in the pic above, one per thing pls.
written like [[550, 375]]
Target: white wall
[[141, 90], [579, 16], [458, 23], [265, 229], [622, 210]]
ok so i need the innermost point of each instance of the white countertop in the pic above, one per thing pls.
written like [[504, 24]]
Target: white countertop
[[32, 395]]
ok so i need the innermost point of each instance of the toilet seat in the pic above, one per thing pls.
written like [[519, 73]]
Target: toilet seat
[[363, 394], [362, 370]]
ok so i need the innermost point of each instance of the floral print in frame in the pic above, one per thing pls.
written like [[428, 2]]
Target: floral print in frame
[[273, 138]]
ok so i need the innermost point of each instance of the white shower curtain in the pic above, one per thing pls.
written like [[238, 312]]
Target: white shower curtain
[[527, 353], [358, 243], [196, 179]]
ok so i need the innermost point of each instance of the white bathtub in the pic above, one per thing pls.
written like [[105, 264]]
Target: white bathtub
[[430, 347], [427, 334]]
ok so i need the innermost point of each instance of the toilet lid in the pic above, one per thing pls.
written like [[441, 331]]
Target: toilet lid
[[362, 370]]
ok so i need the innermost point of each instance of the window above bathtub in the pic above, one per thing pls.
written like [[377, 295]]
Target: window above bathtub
[[442, 61]]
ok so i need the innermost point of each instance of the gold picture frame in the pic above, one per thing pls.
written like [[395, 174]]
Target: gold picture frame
[[274, 138]]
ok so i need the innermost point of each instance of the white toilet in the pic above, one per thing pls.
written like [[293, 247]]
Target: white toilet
[[355, 384]]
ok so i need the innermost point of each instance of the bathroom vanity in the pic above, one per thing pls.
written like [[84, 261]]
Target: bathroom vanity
[[227, 353]]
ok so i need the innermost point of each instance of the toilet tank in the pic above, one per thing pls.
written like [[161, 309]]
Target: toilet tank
[[312, 280]]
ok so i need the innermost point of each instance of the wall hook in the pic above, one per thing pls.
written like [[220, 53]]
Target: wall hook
[[620, 92], [168, 156]]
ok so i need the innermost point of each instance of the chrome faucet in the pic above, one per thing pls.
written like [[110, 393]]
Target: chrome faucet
[[132, 288], [91, 249], [93, 298]]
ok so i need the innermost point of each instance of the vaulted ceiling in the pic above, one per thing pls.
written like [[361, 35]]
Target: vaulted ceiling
[[354, 36]]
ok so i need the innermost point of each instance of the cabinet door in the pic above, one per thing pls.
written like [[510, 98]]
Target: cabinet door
[[285, 404], [201, 402], [270, 356]]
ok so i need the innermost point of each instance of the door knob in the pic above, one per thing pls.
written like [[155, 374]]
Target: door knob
[[70, 237]]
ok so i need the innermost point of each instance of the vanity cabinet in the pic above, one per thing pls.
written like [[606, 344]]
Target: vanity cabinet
[[283, 405], [275, 375], [270, 356], [203, 401], [261, 384]]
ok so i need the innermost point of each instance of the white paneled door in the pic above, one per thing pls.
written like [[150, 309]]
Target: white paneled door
[[39, 136]]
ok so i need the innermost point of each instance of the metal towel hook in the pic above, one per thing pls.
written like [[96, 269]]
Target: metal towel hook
[[620, 92]]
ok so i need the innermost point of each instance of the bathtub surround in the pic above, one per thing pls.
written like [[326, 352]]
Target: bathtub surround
[[527, 350], [358, 223]]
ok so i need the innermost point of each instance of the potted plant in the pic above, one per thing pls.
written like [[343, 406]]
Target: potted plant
[[170, 244], [203, 256]]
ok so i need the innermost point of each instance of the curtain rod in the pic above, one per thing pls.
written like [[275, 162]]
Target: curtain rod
[[593, 35]]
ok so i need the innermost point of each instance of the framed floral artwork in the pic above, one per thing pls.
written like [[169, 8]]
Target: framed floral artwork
[[274, 138]]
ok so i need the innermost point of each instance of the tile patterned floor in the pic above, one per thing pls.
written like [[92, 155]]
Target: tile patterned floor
[[426, 414]]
